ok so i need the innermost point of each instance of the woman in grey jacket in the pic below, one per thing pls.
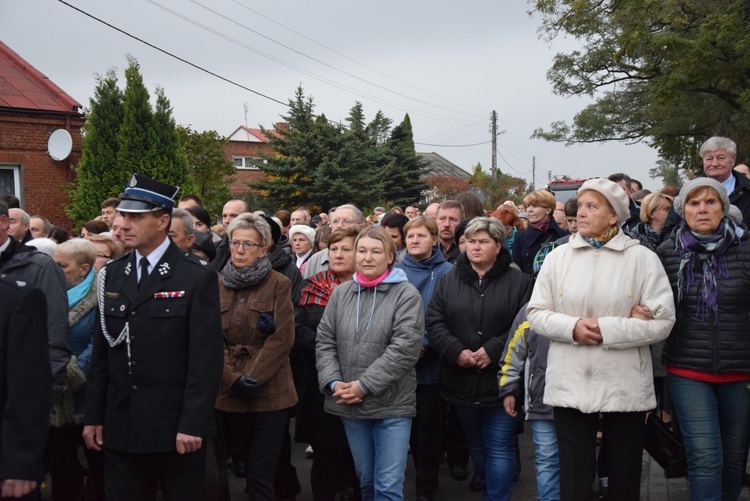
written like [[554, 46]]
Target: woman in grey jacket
[[368, 343]]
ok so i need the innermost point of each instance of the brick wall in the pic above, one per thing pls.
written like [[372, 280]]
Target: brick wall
[[242, 176], [23, 141]]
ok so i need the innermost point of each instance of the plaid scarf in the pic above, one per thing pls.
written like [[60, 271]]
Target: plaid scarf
[[542, 225], [708, 252], [319, 288]]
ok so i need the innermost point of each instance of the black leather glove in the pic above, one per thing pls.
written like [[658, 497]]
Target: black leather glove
[[247, 387]]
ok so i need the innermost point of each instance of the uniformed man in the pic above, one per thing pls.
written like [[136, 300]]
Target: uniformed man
[[157, 357]]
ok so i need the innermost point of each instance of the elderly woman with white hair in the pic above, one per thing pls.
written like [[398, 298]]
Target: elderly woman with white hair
[[468, 319], [257, 391], [707, 355], [602, 299]]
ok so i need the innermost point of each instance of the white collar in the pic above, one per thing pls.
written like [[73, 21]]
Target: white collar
[[154, 257]]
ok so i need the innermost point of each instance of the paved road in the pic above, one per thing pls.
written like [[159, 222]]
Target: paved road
[[654, 486]]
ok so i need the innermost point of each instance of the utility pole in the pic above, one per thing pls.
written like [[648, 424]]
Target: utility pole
[[493, 128]]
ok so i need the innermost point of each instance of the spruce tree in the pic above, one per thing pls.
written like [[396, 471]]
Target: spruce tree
[[97, 174], [291, 169], [169, 161], [350, 172], [136, 136], [402, 176]]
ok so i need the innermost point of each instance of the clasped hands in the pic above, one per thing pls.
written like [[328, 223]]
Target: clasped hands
[[586, 330], [348, 393], [468, 359]]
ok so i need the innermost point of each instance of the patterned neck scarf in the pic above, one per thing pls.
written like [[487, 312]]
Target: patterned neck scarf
[[241, 278], [601, 240], [708, 252], [319, 288], [542, 225]]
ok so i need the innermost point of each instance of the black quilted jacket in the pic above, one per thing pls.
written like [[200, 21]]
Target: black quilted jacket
[[711, 347]]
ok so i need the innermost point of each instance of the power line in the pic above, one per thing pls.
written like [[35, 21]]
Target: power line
[[174, 55], [452, 145], [353, 60], [351, 90], [245, 27]]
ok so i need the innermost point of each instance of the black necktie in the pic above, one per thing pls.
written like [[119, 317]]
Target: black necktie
[[144, 272]]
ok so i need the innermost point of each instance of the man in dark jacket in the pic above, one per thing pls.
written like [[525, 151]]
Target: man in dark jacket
[[26, 264], [719, 155], [27, 386], [157, 358], [231, 210]]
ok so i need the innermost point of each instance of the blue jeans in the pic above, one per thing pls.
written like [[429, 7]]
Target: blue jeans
[[714, 421], [547, 461], [491, 434], [379, 448]]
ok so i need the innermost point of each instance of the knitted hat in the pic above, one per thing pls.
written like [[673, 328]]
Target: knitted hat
[[614, 194], [303, 229], [679, 202]]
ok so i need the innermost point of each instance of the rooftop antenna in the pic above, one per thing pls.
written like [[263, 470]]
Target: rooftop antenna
[[245, 106]]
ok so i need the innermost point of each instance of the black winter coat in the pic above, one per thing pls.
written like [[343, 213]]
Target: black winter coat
[[709, 347], [466, 315], [313, 425], [528, 243]]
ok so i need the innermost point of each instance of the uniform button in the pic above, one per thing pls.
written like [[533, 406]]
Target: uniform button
[[242, 300], [134, 388], [167, 310], [132, 313], [237, 322]]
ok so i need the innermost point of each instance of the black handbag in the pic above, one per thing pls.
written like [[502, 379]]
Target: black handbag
[[665, 445]]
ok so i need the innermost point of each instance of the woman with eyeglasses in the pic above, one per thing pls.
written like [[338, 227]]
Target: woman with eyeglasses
[[257, 390], [107, 249]]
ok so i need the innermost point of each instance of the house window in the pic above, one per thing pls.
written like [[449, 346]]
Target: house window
[[247, 162], [10, 180]]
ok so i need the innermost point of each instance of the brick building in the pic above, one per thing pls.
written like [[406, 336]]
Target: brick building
[[31, 109], [244, 149]]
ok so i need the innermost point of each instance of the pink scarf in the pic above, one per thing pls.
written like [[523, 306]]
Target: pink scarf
[[361, 280]]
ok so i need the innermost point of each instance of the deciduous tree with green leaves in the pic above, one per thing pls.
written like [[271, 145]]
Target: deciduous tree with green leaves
[[210, 167], [670, 73]]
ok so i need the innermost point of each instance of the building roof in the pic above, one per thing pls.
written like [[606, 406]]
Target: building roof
[[24, 87], [440, 166], [249, 135]]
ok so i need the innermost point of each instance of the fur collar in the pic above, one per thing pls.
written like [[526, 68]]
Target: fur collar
[[83, 306]]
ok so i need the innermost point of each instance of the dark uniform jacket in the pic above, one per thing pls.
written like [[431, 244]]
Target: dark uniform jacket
[[176, 354], [25, 380]]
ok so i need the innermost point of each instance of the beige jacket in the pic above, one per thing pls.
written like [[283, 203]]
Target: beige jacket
[[579, 281]]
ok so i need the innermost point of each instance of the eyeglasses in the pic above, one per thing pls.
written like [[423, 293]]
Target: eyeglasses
[[246, 246], [103, 256], [343, 221]]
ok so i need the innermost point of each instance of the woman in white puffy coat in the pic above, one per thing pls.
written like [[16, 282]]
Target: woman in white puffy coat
[[601, 299]]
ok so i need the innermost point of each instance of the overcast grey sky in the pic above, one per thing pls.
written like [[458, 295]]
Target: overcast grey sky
[[447, 64]]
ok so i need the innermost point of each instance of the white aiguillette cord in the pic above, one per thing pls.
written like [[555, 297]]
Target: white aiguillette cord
[[125, 333]]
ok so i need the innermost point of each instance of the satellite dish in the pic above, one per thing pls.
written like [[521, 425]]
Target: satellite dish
[[60, 145]]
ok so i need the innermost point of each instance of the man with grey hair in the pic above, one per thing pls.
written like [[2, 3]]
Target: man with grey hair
[[181, 229], [346, 216], [39, 227], [19, 221], [719, 156]]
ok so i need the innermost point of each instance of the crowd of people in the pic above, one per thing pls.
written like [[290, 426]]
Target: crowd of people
[[176, 348]]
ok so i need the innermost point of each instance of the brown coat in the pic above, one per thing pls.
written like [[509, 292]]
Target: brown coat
[[261, 355]]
